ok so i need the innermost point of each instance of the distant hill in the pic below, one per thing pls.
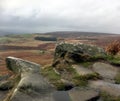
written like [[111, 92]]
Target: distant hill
[[4, 33], [60, 33], [75, 34]]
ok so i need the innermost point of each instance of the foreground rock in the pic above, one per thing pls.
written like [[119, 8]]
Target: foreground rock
[[107, 71], [83, 94], [3, 95], [112, 89], [31, 85]]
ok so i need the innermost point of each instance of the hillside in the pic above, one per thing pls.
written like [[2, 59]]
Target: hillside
[[62, 58], [79, 72], [75, 34], [27, 47]]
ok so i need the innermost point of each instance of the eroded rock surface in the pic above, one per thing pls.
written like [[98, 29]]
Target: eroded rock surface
[[107, 71], [112, 89], [83, 94]]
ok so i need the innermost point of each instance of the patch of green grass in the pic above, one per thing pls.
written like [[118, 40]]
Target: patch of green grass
[[27, 35], [117, 78], [54, 78], [115, 60], [49, 73], [19, 35], [59, 85], [70, 69], [78, 80], [86, 64], [107, 97], [82, 80], [5, 40]]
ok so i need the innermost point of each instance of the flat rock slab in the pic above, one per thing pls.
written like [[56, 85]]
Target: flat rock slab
[[107, 71], [31, 86], [82, 70], [83, 94], [112, 89]]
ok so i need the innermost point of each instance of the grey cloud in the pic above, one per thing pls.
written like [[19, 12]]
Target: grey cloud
[[79, 15]]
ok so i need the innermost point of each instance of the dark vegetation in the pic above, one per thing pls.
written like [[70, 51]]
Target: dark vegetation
[[46, 38], [106, 97], [113, 48], [113, 51]]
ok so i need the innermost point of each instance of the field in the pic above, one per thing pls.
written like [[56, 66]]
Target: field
[[25, 46]]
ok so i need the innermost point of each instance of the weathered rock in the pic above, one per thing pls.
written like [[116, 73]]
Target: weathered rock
[[31, 86], [112, 89], [3, 94], [105, 70], [19, 66], [4, 77], [6, 85], [82, 70], [83, 94], [72, 53], [61, 96], [77, 51]]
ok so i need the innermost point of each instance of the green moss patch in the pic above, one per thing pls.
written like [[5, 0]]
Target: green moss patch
[[114, 60], [86, 64], [82, 80], [107, 97], [49, 73], [117, 78]]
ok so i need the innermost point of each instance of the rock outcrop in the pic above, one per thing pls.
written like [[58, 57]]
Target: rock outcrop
[[75, 53], [31, 85]]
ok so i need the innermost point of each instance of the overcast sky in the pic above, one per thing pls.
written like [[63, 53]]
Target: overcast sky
[[60, 15]]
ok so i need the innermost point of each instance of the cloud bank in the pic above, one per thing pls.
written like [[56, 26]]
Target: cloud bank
[[58, 15]]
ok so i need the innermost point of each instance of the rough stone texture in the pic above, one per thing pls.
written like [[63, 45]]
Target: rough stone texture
[[112, 89], [19, 66], [77, 52], [82, 70], [3, 94], [83, 94], [105, 70], [31, 86]]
